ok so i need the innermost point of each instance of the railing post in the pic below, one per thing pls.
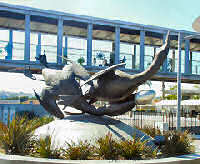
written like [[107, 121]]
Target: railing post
[[89, 44], [59, 40], [27, 38], [12, 112], [5, 114], [10, 46], [38, 47], [142, 49], [117, 45], [134, 57], [187, 59]]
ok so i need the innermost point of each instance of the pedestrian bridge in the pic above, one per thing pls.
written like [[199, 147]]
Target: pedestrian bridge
[[142, 40]]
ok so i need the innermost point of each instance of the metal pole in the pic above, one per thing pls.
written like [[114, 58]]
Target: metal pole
[[178, 123], [163, 90]]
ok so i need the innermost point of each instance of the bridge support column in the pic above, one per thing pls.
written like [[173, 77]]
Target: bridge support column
[[142, 49], [66, 44], [164, 69], [59, 41], [89, 44], [117, 45], [187, 59], [65, 49], [38, 47], [27, 38], [10, 46], [190, 62], [134, 57], [178, 114]]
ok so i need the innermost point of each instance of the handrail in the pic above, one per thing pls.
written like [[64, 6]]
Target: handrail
[[51, 51]]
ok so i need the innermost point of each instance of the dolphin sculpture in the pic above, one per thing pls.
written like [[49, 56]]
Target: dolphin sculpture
[[114, 85], [111, 85]]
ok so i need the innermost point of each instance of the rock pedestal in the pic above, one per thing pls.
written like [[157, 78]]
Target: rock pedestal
[[74, 128]]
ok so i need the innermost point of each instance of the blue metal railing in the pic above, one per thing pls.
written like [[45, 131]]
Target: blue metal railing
[[8, 111], [98, 56]]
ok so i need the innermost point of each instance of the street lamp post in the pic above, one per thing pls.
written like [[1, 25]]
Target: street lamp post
[[178, 114]]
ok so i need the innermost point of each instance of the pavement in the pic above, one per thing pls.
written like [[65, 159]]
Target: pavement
[[196, 142]]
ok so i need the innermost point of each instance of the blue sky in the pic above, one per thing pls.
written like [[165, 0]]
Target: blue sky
[[176, 14]]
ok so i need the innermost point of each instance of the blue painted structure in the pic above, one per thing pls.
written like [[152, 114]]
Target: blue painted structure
[[64, 25], [10, 110]]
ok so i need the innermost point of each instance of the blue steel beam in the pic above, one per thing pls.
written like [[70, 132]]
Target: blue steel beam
[[117, 45], [89, 44], [27, 38], [142, 49], [187, 59], [59, 41]]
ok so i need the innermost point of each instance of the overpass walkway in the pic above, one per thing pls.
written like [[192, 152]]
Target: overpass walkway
[[143, 39]]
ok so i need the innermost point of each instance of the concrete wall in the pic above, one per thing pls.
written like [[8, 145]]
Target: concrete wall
[[15, 159]]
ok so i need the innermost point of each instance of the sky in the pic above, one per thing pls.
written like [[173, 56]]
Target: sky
[[176, 14]]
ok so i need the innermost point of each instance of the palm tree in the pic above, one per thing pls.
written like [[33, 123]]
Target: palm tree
[[81, 60]]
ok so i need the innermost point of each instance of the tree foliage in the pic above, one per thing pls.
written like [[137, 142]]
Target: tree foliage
[[172, 96]]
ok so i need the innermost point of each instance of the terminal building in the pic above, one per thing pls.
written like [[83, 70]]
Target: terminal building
[[144, 40]]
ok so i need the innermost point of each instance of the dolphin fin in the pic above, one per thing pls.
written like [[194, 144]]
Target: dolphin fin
[[78, 70], [103, 72]]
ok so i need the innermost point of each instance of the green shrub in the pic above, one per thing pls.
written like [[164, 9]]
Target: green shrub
[[43, 148], [2, 127], [17, 138], [177, 143], [44, 120], [107, 147], [151, 131], [28, 114], [16, 135], [81, 151], [136, 149]]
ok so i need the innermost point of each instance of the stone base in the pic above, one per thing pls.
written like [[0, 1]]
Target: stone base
[[74, 128]]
